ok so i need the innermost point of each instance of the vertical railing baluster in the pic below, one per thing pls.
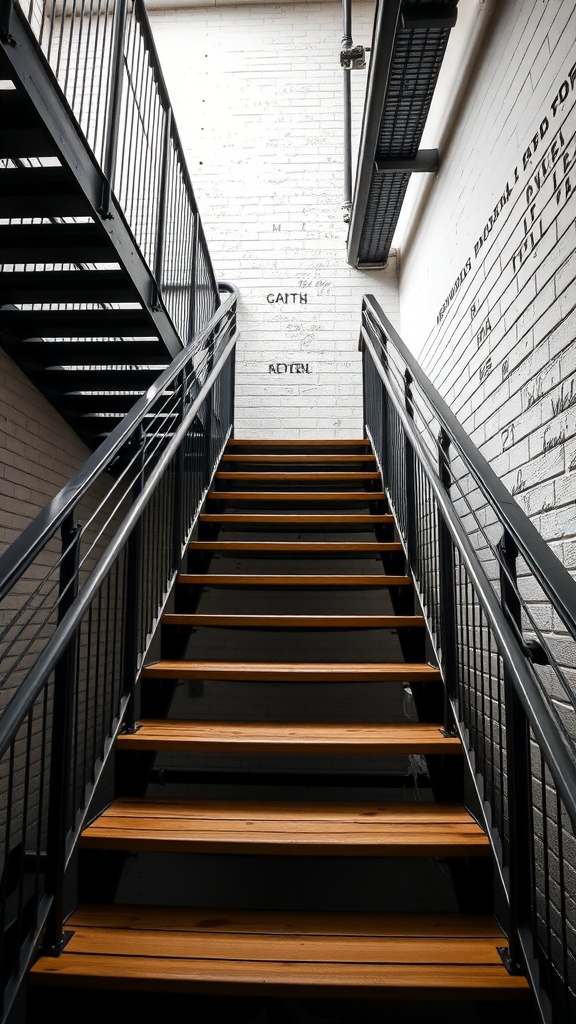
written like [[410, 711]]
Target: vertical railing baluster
[[518, 771], [178, 471], [62, 733], [193, 281], [132, 594], [447, 596], [161, 218], [411, 539], [113, 120], [207, 453], [385, 438]]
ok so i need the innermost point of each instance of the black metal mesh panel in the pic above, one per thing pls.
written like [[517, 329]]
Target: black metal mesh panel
[[416, 60]]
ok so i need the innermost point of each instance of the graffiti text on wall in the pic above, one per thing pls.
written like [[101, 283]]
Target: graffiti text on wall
[[554, 166]]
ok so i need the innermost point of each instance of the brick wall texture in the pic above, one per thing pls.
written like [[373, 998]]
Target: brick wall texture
[[494, 319], [257, 93]]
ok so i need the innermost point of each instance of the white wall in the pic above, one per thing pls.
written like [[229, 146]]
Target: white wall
[[39, 452], [257, 94], [487, 282]]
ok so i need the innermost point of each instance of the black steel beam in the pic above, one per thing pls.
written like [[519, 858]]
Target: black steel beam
[[426, 160], [62, 382], [64, 286], [41, 192], [75, 323], [35, 354], [429, 16], [384, 35]]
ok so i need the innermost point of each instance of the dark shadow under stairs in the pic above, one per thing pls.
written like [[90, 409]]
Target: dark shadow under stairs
[[287, 837]]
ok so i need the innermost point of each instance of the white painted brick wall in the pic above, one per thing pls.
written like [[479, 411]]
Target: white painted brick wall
[[257, 94], [500, 346], [39, 452]]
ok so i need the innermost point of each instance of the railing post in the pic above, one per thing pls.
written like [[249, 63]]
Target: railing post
[[132, 574], [362, 350], [518, 771], [110, 150], [448, 632], [193, 281], [160, 245], [60, 760], [207, 464], [178, 525], [232, 391], [410, 478], [385, 456]]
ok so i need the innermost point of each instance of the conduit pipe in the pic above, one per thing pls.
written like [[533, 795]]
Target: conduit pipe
[[347, 45]]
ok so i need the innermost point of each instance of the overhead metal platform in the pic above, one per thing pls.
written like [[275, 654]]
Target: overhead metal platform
[[408, 46]]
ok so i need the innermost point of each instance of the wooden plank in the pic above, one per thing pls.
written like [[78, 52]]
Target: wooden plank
[[336, 949], [287, 496], [288, 477], [287, 829], [300, 546], [298, 519], [291, 815], [210, 977], [317, 580], [297, 457], [280, 922], [295, 621], [300, 738], [297, 443], [210, 950], [320, 672]]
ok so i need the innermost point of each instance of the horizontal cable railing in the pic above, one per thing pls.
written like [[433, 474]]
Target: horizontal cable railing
[[81, 593], [491, 589], [105, 62]]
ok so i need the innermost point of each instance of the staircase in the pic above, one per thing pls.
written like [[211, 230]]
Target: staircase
[[71, 317], [287, 833]]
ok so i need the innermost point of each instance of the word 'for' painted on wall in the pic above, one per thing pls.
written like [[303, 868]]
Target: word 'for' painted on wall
[[289, 368], [288, 298]]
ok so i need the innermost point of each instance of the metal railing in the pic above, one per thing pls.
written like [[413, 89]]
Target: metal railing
[[501, 611], [81, 593], [103, 57]]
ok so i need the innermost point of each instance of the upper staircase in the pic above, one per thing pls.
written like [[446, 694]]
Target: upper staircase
[[288, 820], [104, 272]]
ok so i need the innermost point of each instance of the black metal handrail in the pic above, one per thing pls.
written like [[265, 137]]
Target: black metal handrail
[[507, 692], [103, 57], [83, 590], [556, 582], [16, 559]]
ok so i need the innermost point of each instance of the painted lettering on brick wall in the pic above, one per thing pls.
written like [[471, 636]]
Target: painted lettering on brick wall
[[542, 188], [287, 298], [289, 368]]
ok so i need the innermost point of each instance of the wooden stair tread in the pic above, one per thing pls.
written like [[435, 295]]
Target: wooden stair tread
[[287, 476], [299, 519], [287, 496], [316, 580], [290, 738], [211, 950], [302, 546], [293, 671], [297, 443], [287, 828], [277, 459], [294, 621]]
